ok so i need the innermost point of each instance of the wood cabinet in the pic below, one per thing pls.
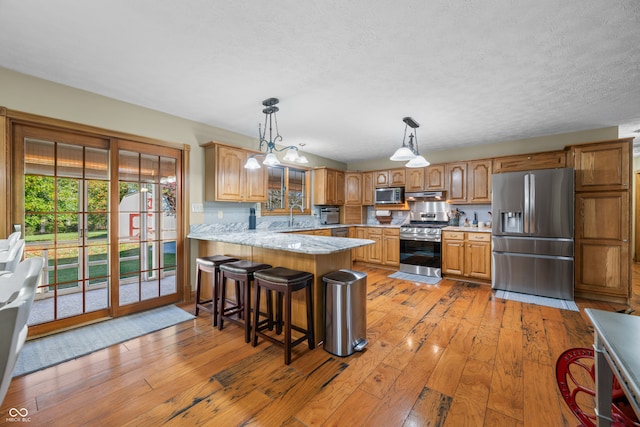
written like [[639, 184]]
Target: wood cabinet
[[353, 188], [328, 186], [390, 178], [381, 178], [385, 250], [479, 181], [228, 181], [430, 178], [524, 162], [469, 182], [352, 214], [367, 188], [322, 232], [467, 254], [374, 252], [603, 220], [477, 255], [435, 179], [397, 177], [602, 166], [391, 247], [453, 252], [456, 182], [415, 179], [359, 253]]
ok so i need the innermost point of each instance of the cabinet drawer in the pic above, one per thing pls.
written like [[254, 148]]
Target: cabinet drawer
[[374, 230], [453, 235], [392, 232], [479, 237]]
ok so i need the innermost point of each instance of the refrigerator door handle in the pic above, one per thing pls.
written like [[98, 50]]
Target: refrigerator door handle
[[532, 203], [526, 204]]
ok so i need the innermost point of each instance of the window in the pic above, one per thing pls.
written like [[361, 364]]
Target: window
[[287, 188]]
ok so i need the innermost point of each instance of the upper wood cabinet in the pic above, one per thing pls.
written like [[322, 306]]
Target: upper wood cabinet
[[367, 188], [456, 182], [415, 179], [390, 178], [397, 177], [381, 178], [430, 178], [469, 182], [228, 181], [328, 186], [524, 162], [353, 188], [479, 181], [435, 179], [602, 166]]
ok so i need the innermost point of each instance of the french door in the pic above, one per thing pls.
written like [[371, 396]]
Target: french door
[[147, 205], [103, 213]]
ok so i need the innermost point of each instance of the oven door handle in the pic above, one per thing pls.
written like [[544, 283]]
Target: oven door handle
[[418, 239]]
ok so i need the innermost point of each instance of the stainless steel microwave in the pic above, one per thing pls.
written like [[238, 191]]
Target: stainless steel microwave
[[389, 196]]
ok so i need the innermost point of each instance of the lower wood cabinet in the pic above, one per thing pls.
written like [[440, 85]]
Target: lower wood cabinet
[[602, 245], [374, 252], [385, 250], [391, 247], [467, 254]]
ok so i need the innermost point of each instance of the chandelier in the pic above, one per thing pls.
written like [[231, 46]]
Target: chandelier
[[269, 144], [409, 150]]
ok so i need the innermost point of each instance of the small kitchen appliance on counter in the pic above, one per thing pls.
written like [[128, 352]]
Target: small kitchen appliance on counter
[[329, 215]]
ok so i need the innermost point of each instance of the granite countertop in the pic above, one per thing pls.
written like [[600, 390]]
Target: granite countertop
[[302, 243], [469, 229]]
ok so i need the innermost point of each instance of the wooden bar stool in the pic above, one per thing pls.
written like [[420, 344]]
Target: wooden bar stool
[[284, 282], [211, 265], [242, 273]]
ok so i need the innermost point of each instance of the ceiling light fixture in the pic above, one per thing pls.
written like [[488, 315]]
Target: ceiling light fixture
[[269, 145], [409, 150]]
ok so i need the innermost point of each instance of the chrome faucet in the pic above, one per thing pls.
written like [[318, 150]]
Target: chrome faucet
[[291, 206]]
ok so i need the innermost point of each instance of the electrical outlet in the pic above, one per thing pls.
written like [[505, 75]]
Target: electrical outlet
[[219, 214]]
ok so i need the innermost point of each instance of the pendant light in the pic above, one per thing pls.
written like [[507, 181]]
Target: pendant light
[[409, 150], [270, 159]]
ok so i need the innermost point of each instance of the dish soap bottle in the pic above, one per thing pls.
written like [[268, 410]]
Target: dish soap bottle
[[252, 219]]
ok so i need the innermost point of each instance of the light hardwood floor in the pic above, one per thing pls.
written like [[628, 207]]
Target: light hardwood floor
[[448, 354]]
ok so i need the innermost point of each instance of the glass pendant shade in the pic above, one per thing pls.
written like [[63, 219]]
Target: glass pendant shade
[[291, 156], [402, 154], [302, 159], [271, 160], [252, 163], [417, 162]]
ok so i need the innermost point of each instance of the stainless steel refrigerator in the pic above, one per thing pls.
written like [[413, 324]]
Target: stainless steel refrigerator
[[532, 233]]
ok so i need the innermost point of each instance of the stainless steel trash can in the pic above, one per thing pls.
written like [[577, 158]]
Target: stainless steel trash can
[[345, 316]]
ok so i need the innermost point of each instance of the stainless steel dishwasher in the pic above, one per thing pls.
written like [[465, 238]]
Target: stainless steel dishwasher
[[340, 232]]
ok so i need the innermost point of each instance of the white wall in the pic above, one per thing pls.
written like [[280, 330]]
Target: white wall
[[37, 96]]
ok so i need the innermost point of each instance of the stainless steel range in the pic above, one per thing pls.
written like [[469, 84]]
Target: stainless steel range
[[420, 240]]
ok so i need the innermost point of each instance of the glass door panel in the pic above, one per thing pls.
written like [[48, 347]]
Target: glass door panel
[[67, 223], [147, 232]]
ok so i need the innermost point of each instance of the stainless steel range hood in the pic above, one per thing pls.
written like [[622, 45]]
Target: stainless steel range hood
[[435, 196]]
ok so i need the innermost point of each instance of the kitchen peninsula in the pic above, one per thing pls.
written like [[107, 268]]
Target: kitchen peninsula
[[318, 255]]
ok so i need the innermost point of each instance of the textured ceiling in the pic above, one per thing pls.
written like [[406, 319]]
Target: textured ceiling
[[346, 72]]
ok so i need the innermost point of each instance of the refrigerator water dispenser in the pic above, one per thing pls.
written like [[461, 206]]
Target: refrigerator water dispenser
[[511, 222]]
